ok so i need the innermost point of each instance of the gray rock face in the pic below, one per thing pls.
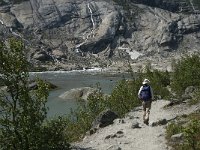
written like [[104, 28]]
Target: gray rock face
[[104, 33], [170, 5]]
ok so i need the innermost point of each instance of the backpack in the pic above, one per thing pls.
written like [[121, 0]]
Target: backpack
[[145, 93]]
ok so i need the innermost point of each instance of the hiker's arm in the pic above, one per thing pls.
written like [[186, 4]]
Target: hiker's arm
[[152, 96], [139, 92]]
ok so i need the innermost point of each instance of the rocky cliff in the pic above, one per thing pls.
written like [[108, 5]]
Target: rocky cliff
[[76, 34]]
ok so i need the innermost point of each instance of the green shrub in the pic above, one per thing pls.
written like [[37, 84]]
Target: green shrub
[[80, 120], [124, 97], [173, 128], [54, 135], [159, 82], [196, 98], [191, 132], [186, 73], [192, 135]]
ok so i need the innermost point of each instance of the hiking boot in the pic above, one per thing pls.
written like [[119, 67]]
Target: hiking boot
[[146, 121]]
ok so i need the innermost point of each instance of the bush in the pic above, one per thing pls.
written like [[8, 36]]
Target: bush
[[196, 98], [192, 135], [159, 82], [172, 129], [186, 73], [23, 112], [54, 135], [80, 120], [124, 97], [190, 127]]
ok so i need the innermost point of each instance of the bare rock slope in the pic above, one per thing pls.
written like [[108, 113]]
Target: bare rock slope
[[76, 34]]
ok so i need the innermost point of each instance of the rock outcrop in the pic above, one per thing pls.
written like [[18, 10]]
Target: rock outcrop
[[78, 93], [102, 33]]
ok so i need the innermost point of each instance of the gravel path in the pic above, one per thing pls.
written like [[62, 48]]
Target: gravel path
[[121, 135]]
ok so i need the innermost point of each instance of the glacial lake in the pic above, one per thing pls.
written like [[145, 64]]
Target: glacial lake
[[66, 80]]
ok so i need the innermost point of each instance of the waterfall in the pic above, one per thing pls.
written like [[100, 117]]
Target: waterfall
[[91, 17], [92, 31]]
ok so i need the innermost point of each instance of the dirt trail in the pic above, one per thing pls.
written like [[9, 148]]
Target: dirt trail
[[121, 135]]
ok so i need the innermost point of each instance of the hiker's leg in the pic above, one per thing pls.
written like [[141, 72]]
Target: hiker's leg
[[144, 115], [148, 109], [144, 110], [148, 113]]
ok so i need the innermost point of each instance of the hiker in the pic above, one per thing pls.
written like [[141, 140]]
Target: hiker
[[145, 94]]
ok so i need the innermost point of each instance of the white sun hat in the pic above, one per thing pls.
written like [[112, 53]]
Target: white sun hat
[[146, 81]]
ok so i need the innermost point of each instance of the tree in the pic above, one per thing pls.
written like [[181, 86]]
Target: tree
[[22, 111]]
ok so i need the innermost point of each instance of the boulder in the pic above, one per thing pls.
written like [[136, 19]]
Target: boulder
[[189, 93], [42, 56], [135, 124], [58, 54], [104, 119], [78, 93]]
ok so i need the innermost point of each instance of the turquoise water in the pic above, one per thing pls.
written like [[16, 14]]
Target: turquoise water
[[69, 80]]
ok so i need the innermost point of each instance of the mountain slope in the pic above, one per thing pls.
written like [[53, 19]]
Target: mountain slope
[[68, 34]]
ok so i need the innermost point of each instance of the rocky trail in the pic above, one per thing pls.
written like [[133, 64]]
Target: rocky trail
[[130, 133]]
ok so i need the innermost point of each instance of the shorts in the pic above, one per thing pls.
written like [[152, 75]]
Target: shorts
[[146, 105]]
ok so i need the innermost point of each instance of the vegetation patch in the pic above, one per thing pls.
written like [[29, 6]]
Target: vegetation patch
[[23, 123], [186, 73], [189, 126]]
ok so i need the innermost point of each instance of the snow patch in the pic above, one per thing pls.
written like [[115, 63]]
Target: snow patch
[[134, 54]]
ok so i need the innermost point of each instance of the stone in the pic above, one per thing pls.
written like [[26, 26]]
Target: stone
[[189, 93], [177, 137], [104, 119], [159, 122], [42, 56], [114, 147], [120, 132], [135, 124]]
